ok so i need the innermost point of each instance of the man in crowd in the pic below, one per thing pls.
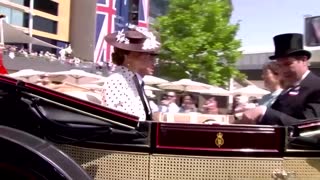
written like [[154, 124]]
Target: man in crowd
[[301, 99], [168, 103]]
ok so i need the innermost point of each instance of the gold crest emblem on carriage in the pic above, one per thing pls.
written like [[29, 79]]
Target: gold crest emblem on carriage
[[219, 140]]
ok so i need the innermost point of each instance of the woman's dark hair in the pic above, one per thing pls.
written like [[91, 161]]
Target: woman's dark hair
[[118, 56], [194, 100]]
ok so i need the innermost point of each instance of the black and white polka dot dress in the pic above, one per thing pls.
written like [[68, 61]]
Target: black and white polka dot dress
[[120, 93]]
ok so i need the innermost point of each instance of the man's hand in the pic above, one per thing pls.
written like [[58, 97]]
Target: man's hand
[[252, 116]]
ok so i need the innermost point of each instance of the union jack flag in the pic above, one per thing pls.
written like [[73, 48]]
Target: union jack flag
[[143, 13], [112, 15], [106, 13]]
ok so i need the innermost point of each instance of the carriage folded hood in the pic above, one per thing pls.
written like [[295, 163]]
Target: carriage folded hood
[[106, 115]]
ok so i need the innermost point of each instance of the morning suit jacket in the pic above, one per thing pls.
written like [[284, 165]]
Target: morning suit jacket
[[299, 103]]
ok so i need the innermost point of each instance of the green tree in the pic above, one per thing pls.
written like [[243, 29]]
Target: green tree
[[198, 41]]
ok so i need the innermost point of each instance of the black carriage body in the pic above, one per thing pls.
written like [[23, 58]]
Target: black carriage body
[[110, 143]]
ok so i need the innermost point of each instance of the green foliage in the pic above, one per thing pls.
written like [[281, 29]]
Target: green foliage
[[197, 38]]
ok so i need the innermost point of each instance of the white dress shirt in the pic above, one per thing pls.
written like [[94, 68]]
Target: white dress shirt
[[120, 93], [171, 108], [268, 99]]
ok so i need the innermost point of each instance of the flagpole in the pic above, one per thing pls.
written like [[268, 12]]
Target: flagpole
[[31, 7], [230, 97]]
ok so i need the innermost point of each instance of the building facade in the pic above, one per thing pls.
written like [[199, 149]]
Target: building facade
[[48, 20], [82, 23], [101, 17]]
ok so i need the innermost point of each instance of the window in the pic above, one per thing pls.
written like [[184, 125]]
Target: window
[[43, 24], [312, 31], [21, 2], [47, 6], [15, 17]]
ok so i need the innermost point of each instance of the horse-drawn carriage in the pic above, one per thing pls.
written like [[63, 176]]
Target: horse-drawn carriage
[[36, 123]]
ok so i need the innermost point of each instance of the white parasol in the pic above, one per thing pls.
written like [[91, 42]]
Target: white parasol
[[215, 91], [28, 75], [75, 76], [26, 72], [88, 96], [146, 87], [251, 90], [185, 85], [152, 80]]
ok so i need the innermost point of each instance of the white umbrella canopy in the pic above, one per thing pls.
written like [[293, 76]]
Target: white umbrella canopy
[[215, 91], [28, 75], [75, 76], [152, 80], [150, 88], [251, 90], [91, 86], [14, 35], [88, 96], [185, 85], [99, 82]]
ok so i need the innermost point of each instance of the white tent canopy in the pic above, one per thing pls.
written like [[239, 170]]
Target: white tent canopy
[[75, 76], [185, 85], [215, 91], [152, 80], [14, 35], [150, 88], [251, 90], [27, 73]]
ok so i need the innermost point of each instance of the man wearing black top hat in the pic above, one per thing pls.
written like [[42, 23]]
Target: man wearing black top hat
[[301, 100]]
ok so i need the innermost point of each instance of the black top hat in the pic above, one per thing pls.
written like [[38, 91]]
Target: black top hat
[[133, 40], [290, 44]]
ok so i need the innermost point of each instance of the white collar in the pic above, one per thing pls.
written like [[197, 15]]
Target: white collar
[[303, 77], [139, 78], [124, 70]]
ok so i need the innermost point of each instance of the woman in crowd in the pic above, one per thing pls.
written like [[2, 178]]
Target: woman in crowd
[[273, 82], [134, 52], [188, 104], [210, 106]]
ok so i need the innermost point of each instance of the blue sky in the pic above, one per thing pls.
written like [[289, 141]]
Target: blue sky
[[260, 20]]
